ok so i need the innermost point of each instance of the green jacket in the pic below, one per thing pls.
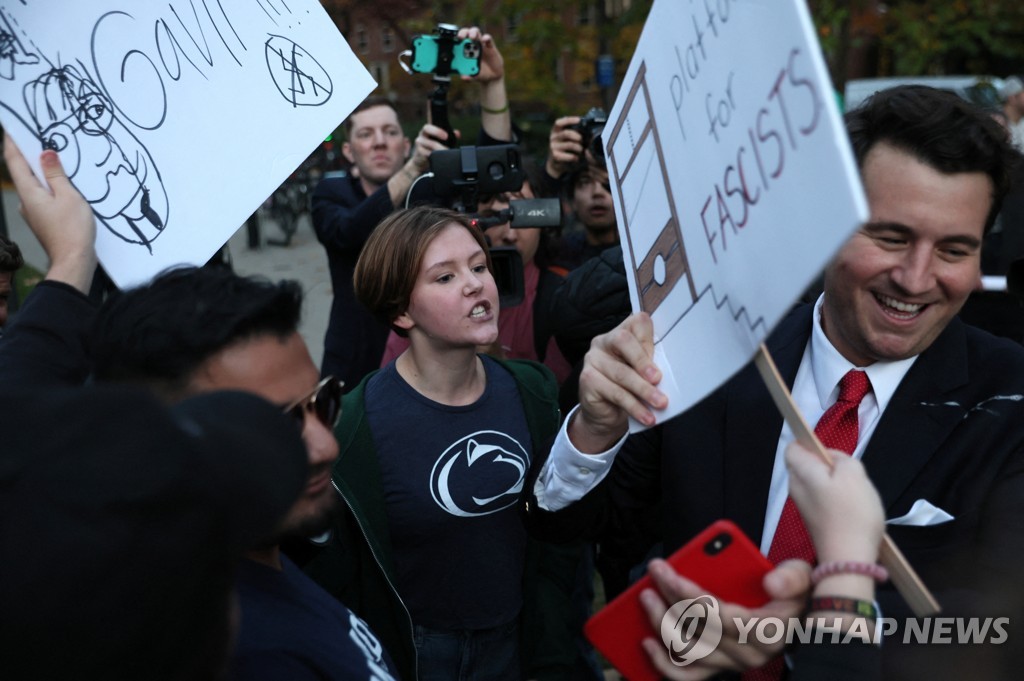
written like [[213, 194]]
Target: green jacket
[[356, 565]]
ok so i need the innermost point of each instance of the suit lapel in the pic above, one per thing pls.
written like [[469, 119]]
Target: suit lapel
[[909, 433], [753, 425]]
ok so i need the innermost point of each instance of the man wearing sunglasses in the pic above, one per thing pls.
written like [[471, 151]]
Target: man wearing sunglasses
[[215, 330], [191, 331]]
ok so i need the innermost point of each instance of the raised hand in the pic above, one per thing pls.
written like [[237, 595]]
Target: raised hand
[[565, 146], [58, 215], [619, 379]]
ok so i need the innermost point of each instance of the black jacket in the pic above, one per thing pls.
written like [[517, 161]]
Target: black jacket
[[344, 217], [953, 435]]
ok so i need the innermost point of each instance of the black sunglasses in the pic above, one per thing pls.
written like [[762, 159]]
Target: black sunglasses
[[324, 401]]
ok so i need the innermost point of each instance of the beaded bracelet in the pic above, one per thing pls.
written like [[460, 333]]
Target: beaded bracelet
[[851, 606], [847, 567]]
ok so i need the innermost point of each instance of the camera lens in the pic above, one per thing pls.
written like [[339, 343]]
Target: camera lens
[[718, 544], [496, 171]]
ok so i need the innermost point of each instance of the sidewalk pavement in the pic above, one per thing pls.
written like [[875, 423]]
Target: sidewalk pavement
[[304, 259]]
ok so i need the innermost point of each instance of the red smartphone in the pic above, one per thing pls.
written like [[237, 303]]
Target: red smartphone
[[721, 559]]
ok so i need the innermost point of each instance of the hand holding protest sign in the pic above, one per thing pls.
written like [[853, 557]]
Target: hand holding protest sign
[[175, 121]]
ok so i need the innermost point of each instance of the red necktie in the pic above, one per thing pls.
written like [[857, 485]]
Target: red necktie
[[837, 429]]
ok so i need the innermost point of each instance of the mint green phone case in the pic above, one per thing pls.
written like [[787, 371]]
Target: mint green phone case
[[465, 55]]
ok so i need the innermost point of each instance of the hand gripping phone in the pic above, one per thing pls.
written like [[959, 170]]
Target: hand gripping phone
[[721, 559]]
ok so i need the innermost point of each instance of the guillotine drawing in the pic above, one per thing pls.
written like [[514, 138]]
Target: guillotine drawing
[[637, 160]]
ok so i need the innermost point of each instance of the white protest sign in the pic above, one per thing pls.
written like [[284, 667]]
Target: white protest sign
[[732, 177], [175, 119]]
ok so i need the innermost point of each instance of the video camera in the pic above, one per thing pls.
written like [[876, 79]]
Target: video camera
[[591, 126], [463, 175]]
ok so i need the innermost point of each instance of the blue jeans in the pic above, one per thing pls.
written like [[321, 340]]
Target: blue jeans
[[468, 655]]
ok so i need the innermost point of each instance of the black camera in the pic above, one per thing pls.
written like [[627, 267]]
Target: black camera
[[463, 175], [506, 261], [591, 126], [507, 268]]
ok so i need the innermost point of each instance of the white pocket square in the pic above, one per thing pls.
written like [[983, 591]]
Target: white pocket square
[[922, 514]]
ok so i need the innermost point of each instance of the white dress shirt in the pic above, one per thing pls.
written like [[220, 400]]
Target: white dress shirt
[[815, 389], [569, 474]]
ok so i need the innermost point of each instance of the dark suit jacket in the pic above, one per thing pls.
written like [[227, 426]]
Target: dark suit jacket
[[343, 218], [953, 434]]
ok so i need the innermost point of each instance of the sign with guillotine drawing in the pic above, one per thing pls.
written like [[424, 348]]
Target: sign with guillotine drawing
[[734, 184], [732, 177]]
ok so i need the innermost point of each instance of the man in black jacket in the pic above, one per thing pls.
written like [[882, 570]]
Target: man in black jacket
[[939, 430], [194, 331]]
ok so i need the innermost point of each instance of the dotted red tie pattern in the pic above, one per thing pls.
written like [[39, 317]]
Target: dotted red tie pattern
[[837, 429]]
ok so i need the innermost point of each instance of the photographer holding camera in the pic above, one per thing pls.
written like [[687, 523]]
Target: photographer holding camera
[[347, 209], [576, 166]]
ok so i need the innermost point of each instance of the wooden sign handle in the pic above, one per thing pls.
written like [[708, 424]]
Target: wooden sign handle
[[901, 573]]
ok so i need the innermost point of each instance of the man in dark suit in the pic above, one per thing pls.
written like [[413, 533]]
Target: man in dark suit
[[940, 431]]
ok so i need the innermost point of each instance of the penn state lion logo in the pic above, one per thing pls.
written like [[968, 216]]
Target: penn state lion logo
[[480, 474]]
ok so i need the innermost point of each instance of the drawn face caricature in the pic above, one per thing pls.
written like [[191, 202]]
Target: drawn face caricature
[[104, 160]]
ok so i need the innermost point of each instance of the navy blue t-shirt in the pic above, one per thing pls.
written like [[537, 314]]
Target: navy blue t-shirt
[[293, 629], [451, 478]]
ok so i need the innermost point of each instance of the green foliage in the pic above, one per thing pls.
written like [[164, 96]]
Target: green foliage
[[547, 36], [962, 36], [832, 18], [925, 37]]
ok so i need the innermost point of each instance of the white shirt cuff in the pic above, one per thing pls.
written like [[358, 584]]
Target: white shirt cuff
[[568, 473]]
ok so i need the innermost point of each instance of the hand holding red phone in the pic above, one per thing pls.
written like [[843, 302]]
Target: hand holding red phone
[[720, 562], [787, 586]]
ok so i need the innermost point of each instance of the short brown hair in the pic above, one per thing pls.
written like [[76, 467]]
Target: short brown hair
[[941, 130], [389, 265], [368, 103]]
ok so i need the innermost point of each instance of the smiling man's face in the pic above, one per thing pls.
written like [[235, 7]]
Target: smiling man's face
[[899, 280]]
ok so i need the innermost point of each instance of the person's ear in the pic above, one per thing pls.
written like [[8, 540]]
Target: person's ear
[[406, 146], [404, 321], [346, 150]]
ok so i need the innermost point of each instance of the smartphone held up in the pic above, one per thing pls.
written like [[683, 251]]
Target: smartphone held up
[[442, 53], [721, 559]]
